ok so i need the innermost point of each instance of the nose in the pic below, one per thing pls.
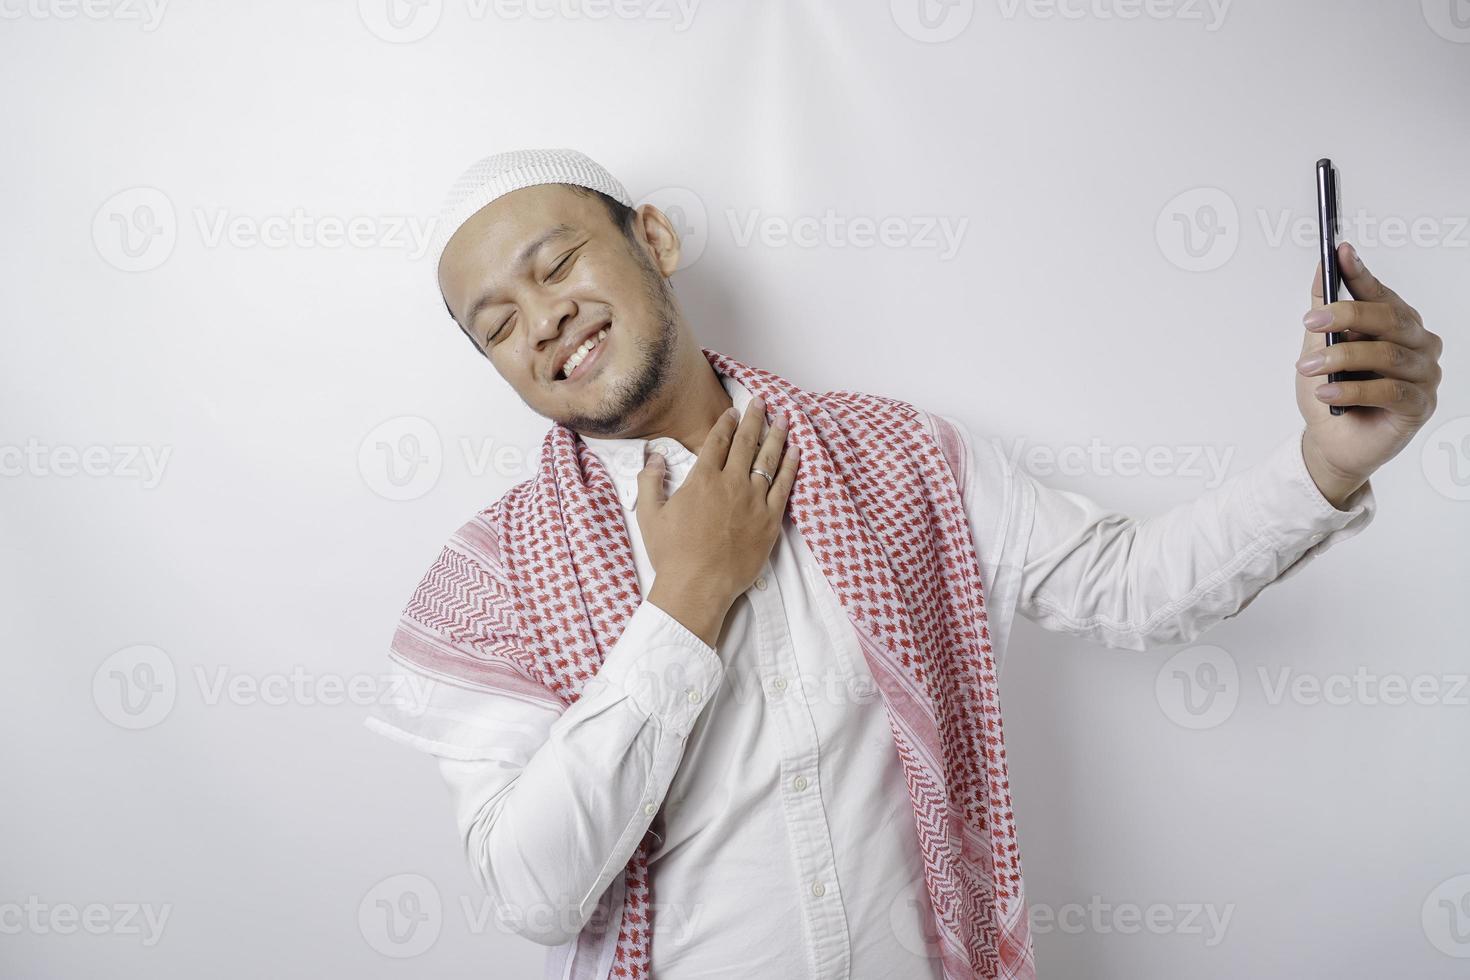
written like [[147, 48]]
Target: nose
[[549, 320], [547, 326]]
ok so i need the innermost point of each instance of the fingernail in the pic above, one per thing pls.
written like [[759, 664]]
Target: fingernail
[[732, 413], [1311, 362], [1327, 391], [1317, 318]]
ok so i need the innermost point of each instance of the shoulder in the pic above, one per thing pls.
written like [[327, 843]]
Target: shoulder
[[954, 440], [845, 400], [478, 542], [947, 431], [486, 532]]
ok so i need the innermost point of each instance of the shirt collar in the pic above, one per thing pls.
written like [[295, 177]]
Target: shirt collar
[[624, 457]]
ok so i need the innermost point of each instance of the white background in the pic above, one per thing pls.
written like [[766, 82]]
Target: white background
[[268, 547]]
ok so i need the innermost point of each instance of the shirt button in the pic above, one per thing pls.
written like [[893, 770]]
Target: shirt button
[[779, 683], [818, 889], [760, 583], [799, 782], [650, 809], [693, 697]]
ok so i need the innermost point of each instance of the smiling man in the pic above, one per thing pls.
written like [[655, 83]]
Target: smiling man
[[715, 693]]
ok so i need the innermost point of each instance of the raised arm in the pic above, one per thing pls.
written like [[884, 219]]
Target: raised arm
[[1071, 565]]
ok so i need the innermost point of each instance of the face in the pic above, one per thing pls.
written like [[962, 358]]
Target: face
[[534, 273]]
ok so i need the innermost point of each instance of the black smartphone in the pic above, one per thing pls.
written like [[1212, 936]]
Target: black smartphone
[[1329, 206]]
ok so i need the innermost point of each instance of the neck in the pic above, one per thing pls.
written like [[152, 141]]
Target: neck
[[685, 408], [691, 405]]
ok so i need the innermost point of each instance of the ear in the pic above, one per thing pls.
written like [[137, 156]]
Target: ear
[[660, 236]]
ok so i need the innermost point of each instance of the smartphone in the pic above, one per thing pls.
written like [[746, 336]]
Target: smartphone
[[1329, 207]]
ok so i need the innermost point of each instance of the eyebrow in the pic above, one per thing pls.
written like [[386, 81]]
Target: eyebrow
[[552, 234]]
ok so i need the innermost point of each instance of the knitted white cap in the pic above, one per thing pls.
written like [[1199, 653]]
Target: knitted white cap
[[501, 173]]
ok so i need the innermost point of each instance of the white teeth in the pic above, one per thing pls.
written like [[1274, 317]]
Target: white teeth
[[581, 352]]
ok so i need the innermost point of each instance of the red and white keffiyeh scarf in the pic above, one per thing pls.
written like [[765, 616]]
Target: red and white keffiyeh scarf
[[877, 501]]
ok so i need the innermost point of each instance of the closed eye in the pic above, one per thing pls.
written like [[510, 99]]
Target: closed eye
[[564, 263]]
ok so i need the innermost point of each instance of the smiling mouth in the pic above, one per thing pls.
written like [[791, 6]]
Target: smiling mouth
[[583, 359]]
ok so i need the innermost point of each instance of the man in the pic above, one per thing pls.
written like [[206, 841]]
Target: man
[[731, 712]]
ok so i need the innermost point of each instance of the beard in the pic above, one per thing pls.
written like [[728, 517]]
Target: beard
[[654, 369]]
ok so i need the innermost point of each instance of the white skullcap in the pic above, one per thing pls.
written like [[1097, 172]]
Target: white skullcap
[[500, 173]]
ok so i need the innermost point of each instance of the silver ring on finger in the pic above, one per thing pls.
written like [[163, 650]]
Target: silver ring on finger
[[769, 479]]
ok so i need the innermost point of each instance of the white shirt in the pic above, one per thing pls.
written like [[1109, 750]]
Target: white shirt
[[767, 766]]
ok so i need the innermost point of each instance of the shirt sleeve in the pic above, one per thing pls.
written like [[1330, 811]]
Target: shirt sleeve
[[1071, 565], [551, 803]]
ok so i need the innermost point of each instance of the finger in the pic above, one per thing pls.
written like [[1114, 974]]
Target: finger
[[1400, 397], [1393, 322], [747, 438], [1314, 341], [1389, 360], [769, 456], [711, 455], [780, 490], [650, 485], [1317, 296], [1363, 284]]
